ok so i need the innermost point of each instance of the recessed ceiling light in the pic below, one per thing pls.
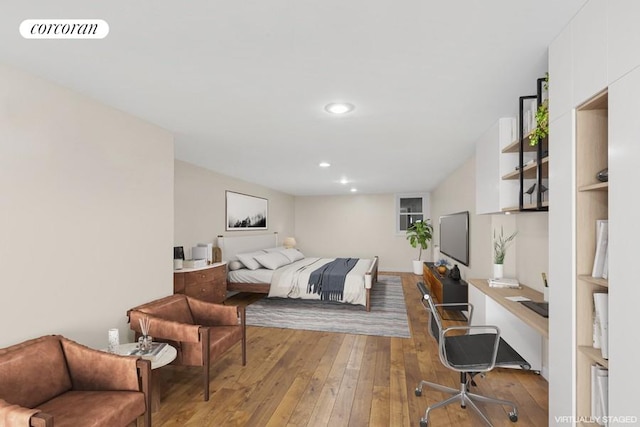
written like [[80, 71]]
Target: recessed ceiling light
[[339, 108], [353, 190], [344, 181], [324, 164]]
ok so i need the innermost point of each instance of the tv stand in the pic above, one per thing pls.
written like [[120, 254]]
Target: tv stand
[[444, 289]]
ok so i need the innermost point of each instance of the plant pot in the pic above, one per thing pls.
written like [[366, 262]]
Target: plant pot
[[417, 267], [498, 271]]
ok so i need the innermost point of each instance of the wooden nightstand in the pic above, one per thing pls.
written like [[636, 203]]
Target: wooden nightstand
[[206, 283]]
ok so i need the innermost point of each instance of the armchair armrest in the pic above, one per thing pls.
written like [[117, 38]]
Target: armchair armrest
[[144, 371], [97, 370], [210, 314], [41, 420], [165, 329], [15, 415]]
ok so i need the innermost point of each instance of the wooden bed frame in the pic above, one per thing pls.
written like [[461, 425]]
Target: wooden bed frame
[[230, 246]]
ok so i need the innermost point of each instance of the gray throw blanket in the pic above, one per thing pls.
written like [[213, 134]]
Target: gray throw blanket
[[328, 280]]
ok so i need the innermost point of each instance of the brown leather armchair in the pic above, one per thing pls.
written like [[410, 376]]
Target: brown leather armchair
[[52, 381], [201, 331]]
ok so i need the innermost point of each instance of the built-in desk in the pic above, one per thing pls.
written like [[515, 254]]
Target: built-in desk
[[521, 327], [530, 317]]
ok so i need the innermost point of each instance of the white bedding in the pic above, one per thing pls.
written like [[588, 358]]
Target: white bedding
[[291, 280], [244, 275]]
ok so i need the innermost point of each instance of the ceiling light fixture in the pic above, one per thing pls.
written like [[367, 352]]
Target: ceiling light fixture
[[353, 190], [339, 108], [344, 181], [324, 164]]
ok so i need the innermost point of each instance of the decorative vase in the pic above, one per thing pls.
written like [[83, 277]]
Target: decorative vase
[[498, 270], [144, 343], [455, 273], [417, 267], [114, 340], [442, 269]]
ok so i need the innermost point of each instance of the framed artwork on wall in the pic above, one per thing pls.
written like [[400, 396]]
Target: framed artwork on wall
[[246, 212]]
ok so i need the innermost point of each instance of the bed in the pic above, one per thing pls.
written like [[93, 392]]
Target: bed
[[290, 273]]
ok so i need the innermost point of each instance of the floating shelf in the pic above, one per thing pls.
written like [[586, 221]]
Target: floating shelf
[[600, 186], [594, 280], [530, 170], [514, 147], [594, 354]]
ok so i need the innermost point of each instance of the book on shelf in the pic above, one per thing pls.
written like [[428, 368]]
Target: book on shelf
[[504, 282], [599, 394], [596, 331], [601, 304], [605, 269], [602, 240]]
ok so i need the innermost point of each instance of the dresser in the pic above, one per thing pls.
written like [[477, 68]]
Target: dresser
[[444, 289], [207, 283]]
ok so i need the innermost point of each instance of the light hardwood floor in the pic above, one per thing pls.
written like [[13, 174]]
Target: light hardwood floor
[[305, 378]]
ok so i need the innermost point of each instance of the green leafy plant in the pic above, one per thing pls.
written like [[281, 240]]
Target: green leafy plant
[[419, 234], [500, 245], [542, 119]]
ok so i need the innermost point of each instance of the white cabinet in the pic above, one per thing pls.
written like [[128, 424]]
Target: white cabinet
[[492, 192], [478, 300], [561, 261], [624, 294], [589, 33], [582, 41], [623, 34], [560, 75]]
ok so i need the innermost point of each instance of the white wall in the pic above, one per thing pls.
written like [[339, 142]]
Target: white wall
[[532, 248], [86, 213], [457, 193], [360, 226], [200, 206]]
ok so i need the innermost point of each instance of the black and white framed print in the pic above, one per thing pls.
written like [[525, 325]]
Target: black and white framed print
[[246, 212]]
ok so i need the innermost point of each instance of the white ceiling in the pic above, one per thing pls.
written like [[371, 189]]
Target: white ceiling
[[242, 84]]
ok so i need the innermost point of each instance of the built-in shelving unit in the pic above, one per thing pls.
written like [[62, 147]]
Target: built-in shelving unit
[[591, 205], [532, 168]]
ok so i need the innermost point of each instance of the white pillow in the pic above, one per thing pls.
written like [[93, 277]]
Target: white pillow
[[273, 260], [293, 254], [276, 249], [248, 259], [235, 265]]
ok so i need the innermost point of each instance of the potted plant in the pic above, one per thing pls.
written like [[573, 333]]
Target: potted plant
[[500, 246], [419, 234], [542, 119]]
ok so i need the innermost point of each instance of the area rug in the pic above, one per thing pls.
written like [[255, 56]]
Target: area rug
[[388, 315]]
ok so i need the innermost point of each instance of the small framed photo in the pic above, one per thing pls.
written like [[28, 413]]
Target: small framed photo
[[246, 212]]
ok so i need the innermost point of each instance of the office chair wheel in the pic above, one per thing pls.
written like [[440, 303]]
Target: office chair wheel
[[423, 423], [513, 416], [418, 392]]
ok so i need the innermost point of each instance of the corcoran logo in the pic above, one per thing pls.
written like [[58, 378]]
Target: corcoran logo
[[64, 29]]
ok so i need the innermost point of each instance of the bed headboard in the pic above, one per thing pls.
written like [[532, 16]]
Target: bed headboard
[[232, 245]]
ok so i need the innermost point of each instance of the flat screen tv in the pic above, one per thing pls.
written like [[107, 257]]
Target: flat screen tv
[[454, 236]]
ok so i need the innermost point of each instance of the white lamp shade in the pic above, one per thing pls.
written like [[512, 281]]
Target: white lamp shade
[[289, 242]]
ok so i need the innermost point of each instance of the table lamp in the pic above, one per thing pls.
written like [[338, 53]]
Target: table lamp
[[289, 242]]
